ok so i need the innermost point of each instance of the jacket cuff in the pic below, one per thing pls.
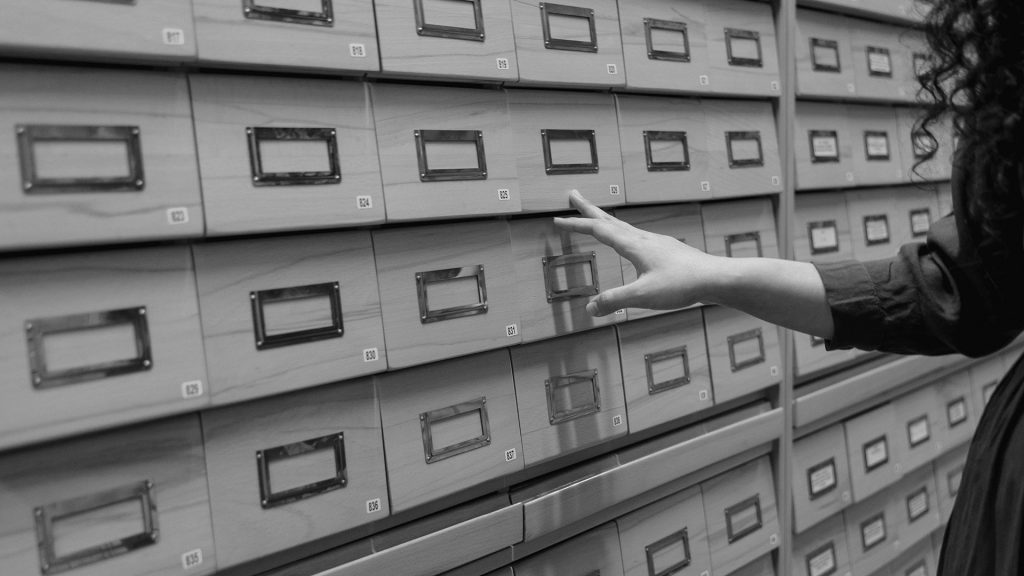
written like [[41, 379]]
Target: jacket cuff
[[857, 314]]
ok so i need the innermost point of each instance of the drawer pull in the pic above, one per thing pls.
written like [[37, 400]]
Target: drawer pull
[[448, 137], [551, 42], [822, 479], [265, 458], [46, 516], [653, 165], [683, 379], [744, 149], [876, 145], [746, 245], [562, 391], [325, 17], [73, 140], [654, 550], [37, 330], [743, 48], [825, 55], [424, 28], [261, 177], [429, 420], [424, 280], [876, 229], [744, 518], [587, 136], [736, 360], [577, 285], [262, 298], [651, 25], [823, 237], [824, 146], [879, 62]]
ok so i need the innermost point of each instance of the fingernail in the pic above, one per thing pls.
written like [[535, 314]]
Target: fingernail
[[592, 308]]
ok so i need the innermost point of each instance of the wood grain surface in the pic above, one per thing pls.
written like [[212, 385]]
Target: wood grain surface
[[729, 489], [809, 454], [593, 552], [813, 25], [826, 117], [865, 34], [863, 119], [648, 525], [647, 73], [741, 116], [726, 78], [809, 549], [865, 429], [720, 323], [866, 514], [874, 202], [725, 219]]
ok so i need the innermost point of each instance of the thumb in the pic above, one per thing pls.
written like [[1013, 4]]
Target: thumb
[[611, 300]]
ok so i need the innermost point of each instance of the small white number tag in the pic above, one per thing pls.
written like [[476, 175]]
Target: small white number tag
[[174, 36], [705, 186], [193, 389], [774, 370], [371, 355], [613, 69], [364, 202], [773, 540], [614, 190], [357, 50], [851, 88], [845, 497], [504, 194], [703, 80], [702, 395], [776, 181], [192, 559], [510, 455], [512, 330], [503, 64], [177, 216], [849, 176], [373, 506], [775, 85], [616, 420]]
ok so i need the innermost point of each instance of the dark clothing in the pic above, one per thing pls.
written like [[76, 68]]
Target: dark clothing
[[950, 294]]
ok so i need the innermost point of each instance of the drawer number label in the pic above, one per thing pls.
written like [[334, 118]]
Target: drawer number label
[[705, 186], [512, 330], [357, 50], [510, 455], [373, 506], [177, 216], [614, 190], [192, 559], [371, 355], [617, 420], [174, 36], [504, 194], [193, 389], [364, 202], [613, 69], [503, 64]]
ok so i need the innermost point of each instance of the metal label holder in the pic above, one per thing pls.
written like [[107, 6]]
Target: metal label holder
[[832, 46], [425, 279], [475, 34], [731, 531], [956, 412], [868, 221], [556, 414], [551, 43], [743, 237], [651, 24], [868, 136], [589, 136], [735, 339], [877, 518], [830, 549], [32, 183], [428, 174], [911, 516], [823, 225], [827, 464], [879, 52], [256, 135], [259, 299], [550, 263], [431, 453], [872, 466], [832, 135], [271, 499], [737, 34], [910, 427], [666, 136], [731, 137], [652, 550], [651, 359], [325, 17], [916, 217]]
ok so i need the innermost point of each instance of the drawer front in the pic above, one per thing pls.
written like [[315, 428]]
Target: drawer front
[[456, 159], [132, 501], [914, 146], [741, 48], [878, 61], [566, 141], [985, 377], [667, 537], [285, 154], [574, 43], [871, 533], [872, 443], [592, 553], [917, 501], [314, 34], [450, 38], [741, 513], [124, 170], [98, 339], [824, 55], [919, 209], [446, 291], [294, 468], [569, 393], [744, 353], [876, 224], [763, 566], [665, 44], [664, 149], [949, 471], [957, 408], [821, 477], [877, 148], [557, 275], [449, 426], [921, 560], [919, 418], [289, 312], [944, 191], [160, 30], [740, 228], [825, 145], [744, 148], [822, 551]]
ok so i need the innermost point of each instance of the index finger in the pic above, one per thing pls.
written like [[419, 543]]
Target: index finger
[[586, 207]]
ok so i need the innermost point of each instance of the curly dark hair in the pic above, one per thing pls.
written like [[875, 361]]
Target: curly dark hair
[[975, 77]]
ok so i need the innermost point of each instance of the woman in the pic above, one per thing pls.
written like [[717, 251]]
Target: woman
[[960, 291]]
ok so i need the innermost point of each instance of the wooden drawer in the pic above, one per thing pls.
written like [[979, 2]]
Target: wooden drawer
[[871, 533], [872, 444], [591, 553], [742, 518], [944, 192], [763, 566], [879, 62], [665, 45], [916, 498], [97, 339], [575, 43], [570, 394], [449, 426], [921, 560], [985, 377], [328, 35], [446, 290], [919, 209], [566, 141], [919, 415], [877, 153], [744, 353], [556, 274], [915, 53], [289, 312], [958, 412], [743, 146], [160, 30], [913, 147], [824, 55], [95, 157], [461, 39], [130, 502], [876, 224], [821, 477], [285, 154], [949, 470], [740, 228], [294, 468], [680, 221], [743, 58], [455, 159], [825, 146], [665, 368], [822, 551], [664, 149], [667, 537]]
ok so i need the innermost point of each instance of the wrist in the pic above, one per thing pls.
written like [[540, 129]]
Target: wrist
[[723, 279]]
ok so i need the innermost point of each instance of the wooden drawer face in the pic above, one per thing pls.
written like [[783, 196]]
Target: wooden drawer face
[[665, 368], [556, 275], [985, 378], [741, 513], [665, 44], [743, 146], [570, 394], [133, 501], [741, 48], [95, 156], [591, 553], [680, 221], [449, 426], [821, 477], [871, 533], [824, 55], [744, 353], [949, 472], [872, 444], [566, 141], [314, 34], [919, 417], [913, 147], [915, 52], [944, 192], [958, 412], [575, 43], [450, 38], [288, 312], [825, 146], [285, 154], [919, 209], [96, 339], [667, 537], [918, 561], [456, 159], [294, 468], [763, 566], [446, 290], [664, 149], [878, 61], [877, 152], [822, 551], [917, 500], [876, 224], [740, 228]]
